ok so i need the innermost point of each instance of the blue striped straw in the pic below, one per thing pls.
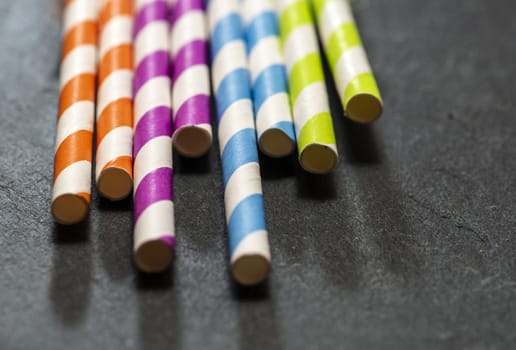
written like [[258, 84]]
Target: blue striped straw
[[245, 215], [274, 124]]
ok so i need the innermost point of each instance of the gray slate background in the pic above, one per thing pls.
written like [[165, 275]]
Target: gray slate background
[[409, 244]]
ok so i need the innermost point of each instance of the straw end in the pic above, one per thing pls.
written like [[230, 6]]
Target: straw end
[[70, 208], [364, 108], [192, 141], [114, 184], [318, 158], [250, 269], [276, 143], [155, 255]]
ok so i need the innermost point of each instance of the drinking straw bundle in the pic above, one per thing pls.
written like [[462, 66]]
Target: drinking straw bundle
[[154, 241], [245, 217], [271, 105], [73, 151], [154, 94], [190, 100], [351, 70], [314, 127], [114, 162]]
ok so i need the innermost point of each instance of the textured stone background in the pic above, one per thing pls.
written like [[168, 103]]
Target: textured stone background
[[409, 244]]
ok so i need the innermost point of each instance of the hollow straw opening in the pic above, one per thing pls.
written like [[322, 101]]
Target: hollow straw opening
[[364, 108], [318, 159], [69, 209], [275, 143], [114, 184], [250, 270], [192, 141], [154, 256]]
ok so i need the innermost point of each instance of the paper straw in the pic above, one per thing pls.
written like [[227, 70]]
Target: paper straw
[[114, 161], [154, 241], [74, 139], [245, 215], [348, 60], [191, 93], [308, 95], [269, 81]]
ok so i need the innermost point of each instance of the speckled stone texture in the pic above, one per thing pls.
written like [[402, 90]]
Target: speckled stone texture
[[411, 243]]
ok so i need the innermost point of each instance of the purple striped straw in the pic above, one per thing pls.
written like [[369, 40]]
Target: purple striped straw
[[154, 242], [191, 93]]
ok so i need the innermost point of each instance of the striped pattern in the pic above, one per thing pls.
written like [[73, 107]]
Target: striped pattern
[[245, 216], [348, 61], [269, 81], [114, 161], [154, 241], [309, 98], [191, 93], [74, 139]]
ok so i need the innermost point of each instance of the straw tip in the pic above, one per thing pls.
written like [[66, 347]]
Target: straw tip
[[275, 143], [155, 255], [364, 108], [250, 270], [69, 209], [192, 141], [318, 158], [114, 184]]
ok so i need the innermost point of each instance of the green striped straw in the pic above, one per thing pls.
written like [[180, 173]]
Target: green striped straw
[[308, 96], [348, 60]]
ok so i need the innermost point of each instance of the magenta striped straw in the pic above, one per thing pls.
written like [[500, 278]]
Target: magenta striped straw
[[191, 92], [154, 241]]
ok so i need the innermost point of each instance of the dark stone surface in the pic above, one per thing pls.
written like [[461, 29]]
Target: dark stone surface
[[409, 244]]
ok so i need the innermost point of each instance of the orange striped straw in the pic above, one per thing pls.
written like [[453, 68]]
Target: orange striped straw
[[73, 152], [114, 173]]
